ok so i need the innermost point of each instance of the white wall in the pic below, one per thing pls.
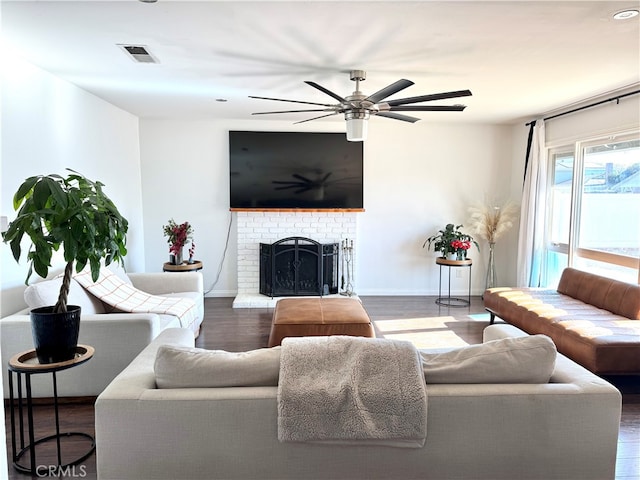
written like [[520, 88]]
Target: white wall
[[184, 178], [417, 178], [416, 181], [48, 125], [594, 122]]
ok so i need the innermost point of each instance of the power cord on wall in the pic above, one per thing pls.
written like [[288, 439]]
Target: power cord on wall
[[224, 254]]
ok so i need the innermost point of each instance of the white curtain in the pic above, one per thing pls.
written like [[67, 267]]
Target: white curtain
[[531, 248]]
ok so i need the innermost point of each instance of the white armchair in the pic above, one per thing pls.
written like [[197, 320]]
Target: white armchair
[[117, 337]]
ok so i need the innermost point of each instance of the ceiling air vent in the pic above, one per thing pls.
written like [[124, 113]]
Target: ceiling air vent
[[139, 53]]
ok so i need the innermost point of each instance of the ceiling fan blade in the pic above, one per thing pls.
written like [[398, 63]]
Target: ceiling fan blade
[[397, 116], [328, 92], [300, 177], [287, 182], [316, 118], [389, 90], [428, 108], [324, 179], [428, 98], [297, 111], [288, 187], [292, 101]]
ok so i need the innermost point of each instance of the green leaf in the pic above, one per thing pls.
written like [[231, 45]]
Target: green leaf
[[41, 194], [29, 273], [41, 269], [95, 269], [16, 249], [23, 190], [57, 192], [80, 264]]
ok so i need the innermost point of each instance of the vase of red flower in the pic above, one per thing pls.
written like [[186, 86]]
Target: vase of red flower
[[177, 237], [460, 248], [451, 242]]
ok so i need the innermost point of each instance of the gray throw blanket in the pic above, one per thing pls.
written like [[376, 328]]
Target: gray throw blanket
[[343, 389]]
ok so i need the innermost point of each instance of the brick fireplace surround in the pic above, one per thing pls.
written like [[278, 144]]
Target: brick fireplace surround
[[255, 227]]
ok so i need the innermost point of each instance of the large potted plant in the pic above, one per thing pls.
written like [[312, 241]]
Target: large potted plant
[[451, 242], [75, 214]]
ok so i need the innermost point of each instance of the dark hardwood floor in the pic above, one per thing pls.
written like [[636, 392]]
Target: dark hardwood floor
[[245, 329]]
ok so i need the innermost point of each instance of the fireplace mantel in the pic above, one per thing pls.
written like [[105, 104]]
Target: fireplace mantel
[[295, 210]]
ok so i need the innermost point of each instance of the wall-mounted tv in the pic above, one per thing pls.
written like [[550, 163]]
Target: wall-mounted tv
[[301, 170]]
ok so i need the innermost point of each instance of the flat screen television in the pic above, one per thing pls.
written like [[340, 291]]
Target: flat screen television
[[295, 170]]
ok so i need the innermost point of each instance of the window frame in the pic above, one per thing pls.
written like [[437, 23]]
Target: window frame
[[572, 249]]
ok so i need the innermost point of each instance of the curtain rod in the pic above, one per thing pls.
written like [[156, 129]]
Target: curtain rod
[[617, 99]]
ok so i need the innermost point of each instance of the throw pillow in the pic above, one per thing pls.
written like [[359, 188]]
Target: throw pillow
[[45, 293], [528, 359], [116, 268], [188, 367]]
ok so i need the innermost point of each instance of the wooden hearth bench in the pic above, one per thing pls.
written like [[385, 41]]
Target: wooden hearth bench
[[305, 317]]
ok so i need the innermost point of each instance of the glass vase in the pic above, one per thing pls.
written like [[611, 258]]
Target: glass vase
[[492, 278], [176, 258]]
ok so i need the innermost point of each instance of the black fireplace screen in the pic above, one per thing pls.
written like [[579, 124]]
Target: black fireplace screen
[[298, 266]]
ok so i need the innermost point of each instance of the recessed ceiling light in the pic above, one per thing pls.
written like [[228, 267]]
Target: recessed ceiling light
[[624, 14]]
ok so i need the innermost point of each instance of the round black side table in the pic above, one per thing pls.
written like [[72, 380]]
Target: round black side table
[[26, 364], [450, 301]]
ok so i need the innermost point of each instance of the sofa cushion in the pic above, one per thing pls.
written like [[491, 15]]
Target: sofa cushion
[[528, 359], [45, 293], [187, 367]]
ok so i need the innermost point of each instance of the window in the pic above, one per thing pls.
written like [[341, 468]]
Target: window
[[594, 216]]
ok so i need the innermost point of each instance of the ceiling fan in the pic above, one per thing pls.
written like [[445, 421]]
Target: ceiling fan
[[358, 107]]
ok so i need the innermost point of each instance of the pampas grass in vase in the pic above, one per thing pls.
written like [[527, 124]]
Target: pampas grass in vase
[[490, 221]]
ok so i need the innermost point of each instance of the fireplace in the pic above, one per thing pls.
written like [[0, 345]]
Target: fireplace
[[297, 266]]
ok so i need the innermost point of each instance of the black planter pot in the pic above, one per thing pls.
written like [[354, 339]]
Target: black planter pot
[[55, 335]]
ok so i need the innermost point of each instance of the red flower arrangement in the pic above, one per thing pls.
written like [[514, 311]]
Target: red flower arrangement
[[177, 237], [451, 240], [460, 245]]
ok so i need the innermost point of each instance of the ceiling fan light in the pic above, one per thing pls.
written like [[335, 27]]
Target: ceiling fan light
[[356, 130]]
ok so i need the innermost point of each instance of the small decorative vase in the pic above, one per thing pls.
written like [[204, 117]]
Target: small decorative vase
[[461, 254], [177, 257], [452, 256]]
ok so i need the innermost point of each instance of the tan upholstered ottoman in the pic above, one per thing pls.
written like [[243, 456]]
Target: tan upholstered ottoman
[[306, 317]]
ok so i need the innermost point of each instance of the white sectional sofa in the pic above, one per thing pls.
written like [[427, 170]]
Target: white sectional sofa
[[564, 429], [116, 337]]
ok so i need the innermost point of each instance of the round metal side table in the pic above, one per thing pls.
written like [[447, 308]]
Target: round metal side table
[[450, 301], [26, 364]]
